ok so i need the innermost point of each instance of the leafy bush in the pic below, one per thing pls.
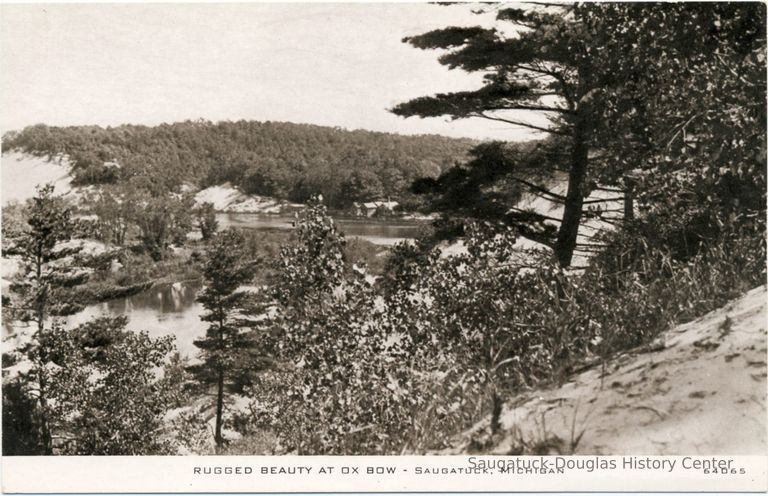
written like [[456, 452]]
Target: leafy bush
[[344, 366], [106, 394]]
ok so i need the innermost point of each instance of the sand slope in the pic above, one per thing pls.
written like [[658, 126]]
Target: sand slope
[[227, 198], [610, 206], [22, 173], [703, 393]]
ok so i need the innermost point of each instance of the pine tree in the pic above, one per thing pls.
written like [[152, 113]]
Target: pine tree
[[228, 350], [42, 289], [643, 100], [543, 67]]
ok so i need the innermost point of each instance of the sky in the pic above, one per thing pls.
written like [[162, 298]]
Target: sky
[[330, 64]]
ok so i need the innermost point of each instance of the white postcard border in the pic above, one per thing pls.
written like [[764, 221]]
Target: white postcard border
[[470, 473]]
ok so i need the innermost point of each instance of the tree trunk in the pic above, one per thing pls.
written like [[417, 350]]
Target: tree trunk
[[496, 407], [46, 438], [42, 396], [629, 205], [574, 199], [219, 408], [220, 381], [45, 431]]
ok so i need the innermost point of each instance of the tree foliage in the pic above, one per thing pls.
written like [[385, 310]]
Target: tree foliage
[[684, 113], [206, 221], [338, 372], [118, 209], [488, 187], [284, 160], [616, 82], [540, 65], [131, 211], [162, 221], [108, 397]]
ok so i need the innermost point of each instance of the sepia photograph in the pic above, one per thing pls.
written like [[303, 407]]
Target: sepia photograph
[[362, 229]]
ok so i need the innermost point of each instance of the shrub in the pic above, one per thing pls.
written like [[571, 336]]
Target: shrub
[[107, 396]]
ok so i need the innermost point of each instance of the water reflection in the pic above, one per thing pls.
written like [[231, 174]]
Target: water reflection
[[161, 310], [165, 299]]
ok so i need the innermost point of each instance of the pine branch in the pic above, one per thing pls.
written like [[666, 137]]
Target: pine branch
[[537, 108], [611, 221], [611, 210], [517, 123], [542, 216], [540, 70], [609, 190], [599, 200], [592, 245], [566, 6], [587, 250], [554, 196], [587, 226], [589, 236]]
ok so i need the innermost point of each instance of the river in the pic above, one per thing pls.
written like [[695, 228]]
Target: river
[[171, 308], [380, 232], [160, 310]]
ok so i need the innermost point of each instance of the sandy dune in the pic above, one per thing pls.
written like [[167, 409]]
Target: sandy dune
[[22, 173], [227, 198], [704, 392]]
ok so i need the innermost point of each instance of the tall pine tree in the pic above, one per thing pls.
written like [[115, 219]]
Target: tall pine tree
[[543, 66], [228, 350], [42, 289]]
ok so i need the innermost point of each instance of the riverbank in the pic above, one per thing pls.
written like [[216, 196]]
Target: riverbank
[[22, 173], [228, 199]]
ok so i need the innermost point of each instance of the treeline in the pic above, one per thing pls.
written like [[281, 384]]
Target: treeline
[[284, 160]]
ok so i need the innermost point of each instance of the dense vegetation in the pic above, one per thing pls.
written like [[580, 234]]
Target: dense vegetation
[[643, 100], [331, 360], [284, 160]]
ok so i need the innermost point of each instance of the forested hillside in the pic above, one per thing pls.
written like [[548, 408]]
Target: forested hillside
[[284, 160]]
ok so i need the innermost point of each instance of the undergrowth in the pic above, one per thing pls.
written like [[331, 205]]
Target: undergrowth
[[626, 298]]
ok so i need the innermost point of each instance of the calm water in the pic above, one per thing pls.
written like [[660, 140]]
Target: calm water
[[171, 309], [379, 232], [162, 310]]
